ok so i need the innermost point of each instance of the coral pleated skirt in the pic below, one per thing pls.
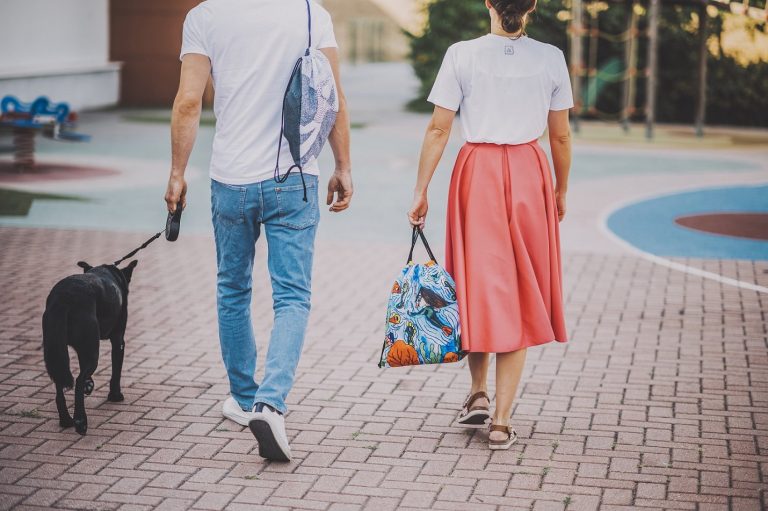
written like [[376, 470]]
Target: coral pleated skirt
[[503, 248]]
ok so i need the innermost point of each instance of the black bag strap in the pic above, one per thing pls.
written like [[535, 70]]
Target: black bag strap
[[309, 25], [418, 233]]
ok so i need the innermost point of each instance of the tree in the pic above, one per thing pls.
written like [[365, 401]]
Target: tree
[[449, 21], [737, 94]]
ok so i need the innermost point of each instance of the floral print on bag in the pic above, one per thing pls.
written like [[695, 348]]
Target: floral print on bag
[[422, 325]]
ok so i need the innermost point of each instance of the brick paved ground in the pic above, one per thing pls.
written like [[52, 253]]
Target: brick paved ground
[[659, 401]]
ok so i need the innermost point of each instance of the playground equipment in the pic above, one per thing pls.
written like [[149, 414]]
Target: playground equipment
[[588, 80], [26, 120]]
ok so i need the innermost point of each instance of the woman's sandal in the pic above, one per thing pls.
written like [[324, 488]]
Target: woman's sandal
[[474, 415], [502, 445]]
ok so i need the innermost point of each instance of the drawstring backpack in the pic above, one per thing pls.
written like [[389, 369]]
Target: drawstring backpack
[[422, 316], [310, 105]]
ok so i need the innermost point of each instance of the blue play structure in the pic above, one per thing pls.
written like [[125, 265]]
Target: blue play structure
[[25, 120]]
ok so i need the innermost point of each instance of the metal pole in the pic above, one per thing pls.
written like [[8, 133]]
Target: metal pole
[[577, 52], [630, 66], [653, 65], [701, 107]]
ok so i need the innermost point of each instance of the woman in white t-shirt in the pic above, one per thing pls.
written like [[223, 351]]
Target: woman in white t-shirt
[[503, 246]]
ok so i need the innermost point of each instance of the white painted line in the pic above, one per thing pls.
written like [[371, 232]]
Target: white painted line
[[691, 270]]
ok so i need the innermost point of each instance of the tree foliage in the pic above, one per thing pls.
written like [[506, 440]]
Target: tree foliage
[[737, 94], [448, 21]]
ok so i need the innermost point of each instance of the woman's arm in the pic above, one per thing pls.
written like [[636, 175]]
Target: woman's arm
[[438, 133], [560, 142]]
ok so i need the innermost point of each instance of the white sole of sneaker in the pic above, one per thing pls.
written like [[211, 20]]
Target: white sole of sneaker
[[270, 447]]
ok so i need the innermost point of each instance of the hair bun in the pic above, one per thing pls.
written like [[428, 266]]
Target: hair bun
[[513, 13]]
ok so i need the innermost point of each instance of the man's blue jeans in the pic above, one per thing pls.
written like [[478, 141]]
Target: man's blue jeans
[[290, 224]]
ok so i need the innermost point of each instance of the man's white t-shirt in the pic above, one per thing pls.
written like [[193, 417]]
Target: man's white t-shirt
[[503, 87], [253, 46]]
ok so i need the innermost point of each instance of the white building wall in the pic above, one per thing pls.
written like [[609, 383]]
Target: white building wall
[[59, 49]]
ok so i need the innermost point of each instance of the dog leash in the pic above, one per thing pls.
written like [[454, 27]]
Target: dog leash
[[142, 247], [171, 231]]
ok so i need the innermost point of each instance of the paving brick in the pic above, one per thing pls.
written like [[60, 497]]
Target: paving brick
[[212, 500], [646, 408], [617, 496], [44, 497], [330, 484]]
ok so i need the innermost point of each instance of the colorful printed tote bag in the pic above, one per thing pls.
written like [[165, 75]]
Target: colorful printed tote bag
[[422, 316]]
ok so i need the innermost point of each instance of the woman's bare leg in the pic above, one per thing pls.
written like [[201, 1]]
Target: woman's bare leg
[[509, 369], [478, 368]]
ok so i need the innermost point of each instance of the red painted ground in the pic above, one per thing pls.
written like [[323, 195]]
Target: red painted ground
[[739, 225], [50, 172]]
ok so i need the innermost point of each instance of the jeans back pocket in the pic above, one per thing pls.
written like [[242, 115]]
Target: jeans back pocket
[[228, 203], [292, 211]]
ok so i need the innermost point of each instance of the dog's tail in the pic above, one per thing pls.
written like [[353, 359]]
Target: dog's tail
[[55, 351]]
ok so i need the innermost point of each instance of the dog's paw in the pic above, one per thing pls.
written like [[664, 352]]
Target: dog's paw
[[66, 422], [115, 397], [81, 426], [88, 387]]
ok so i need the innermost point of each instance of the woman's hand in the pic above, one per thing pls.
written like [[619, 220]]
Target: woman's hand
[[418, 213], [560, 201]]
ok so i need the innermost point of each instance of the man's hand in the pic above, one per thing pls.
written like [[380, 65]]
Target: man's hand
[[340, 185], [176, 194]]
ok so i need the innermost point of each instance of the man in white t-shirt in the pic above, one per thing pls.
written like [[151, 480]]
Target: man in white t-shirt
[[250, 47]]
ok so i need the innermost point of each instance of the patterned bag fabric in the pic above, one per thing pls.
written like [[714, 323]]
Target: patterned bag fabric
[[423, 316], [310, 106]]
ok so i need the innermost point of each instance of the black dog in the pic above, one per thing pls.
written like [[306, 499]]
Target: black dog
[[80, 311]]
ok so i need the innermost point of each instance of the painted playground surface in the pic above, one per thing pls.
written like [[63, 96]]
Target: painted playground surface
[[719, 223], [657, 401], [116, 182]]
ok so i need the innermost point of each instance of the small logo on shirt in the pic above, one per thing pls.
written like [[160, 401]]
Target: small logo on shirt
[[509, 50]]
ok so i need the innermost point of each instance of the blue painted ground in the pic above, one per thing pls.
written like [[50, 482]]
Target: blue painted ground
[[650, 225]]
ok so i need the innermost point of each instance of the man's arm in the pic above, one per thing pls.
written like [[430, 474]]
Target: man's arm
[[185, 120], [340, 184]]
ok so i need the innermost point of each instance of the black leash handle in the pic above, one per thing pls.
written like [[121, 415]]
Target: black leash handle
[[418, 233], [142, 247], [171, 231]]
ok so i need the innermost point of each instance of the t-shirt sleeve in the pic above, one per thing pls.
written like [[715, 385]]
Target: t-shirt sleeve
[[562, 95], [323, 35], [193, 39], [447, 92]]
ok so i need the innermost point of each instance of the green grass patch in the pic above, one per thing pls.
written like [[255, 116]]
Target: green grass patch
[[18, 203]]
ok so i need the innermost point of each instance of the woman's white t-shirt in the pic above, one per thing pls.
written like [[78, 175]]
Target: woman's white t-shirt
[[504, 88]]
